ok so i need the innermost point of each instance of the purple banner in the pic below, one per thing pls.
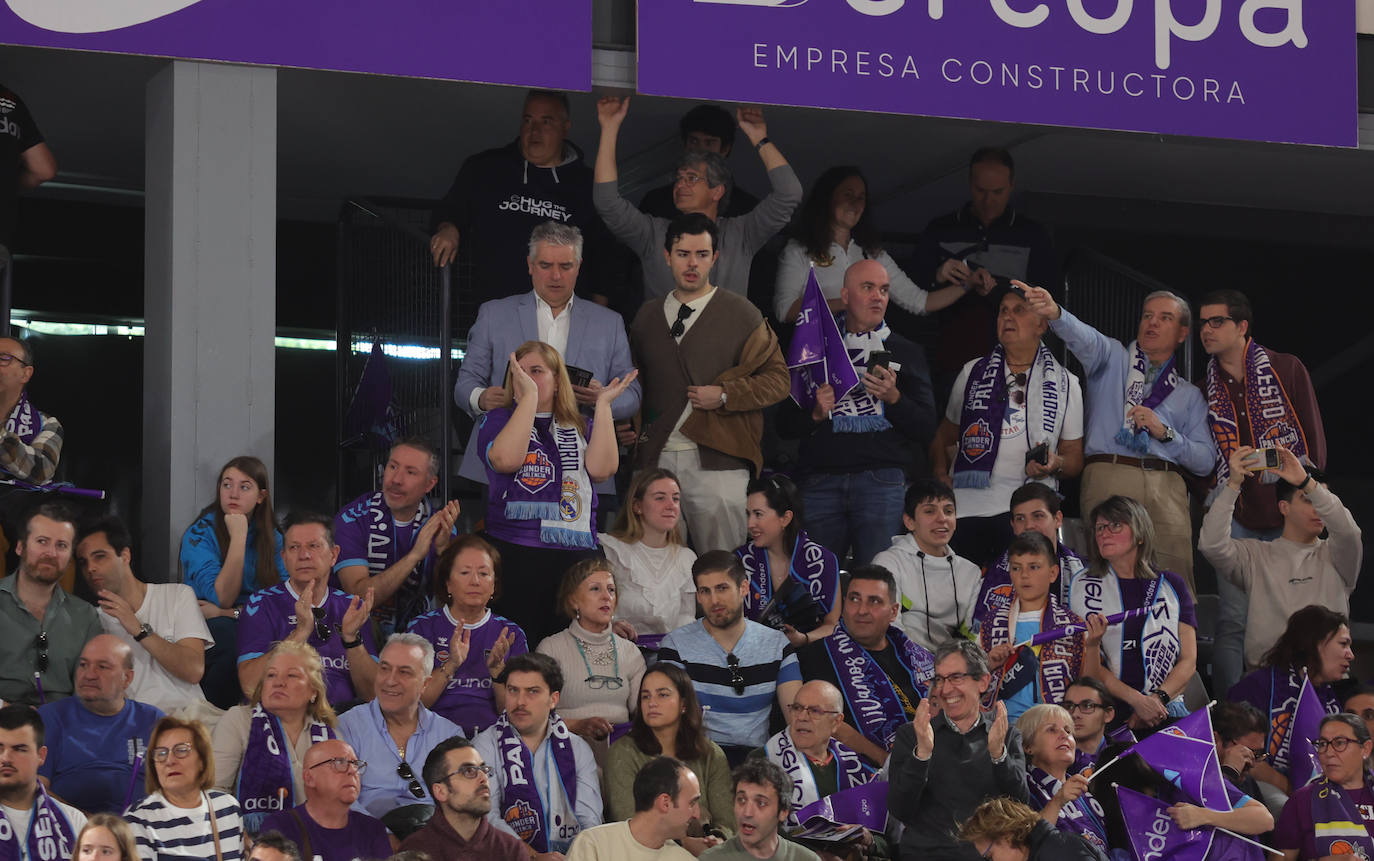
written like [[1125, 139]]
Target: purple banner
[[462, 40], [1269, 70]]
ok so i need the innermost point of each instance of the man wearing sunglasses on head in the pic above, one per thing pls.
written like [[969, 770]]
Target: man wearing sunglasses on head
[[395, 732], [30, 440], [45, 628], [305, 610], [325, 827], [459, 831]]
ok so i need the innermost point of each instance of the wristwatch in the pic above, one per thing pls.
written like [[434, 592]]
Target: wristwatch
[[144, 630], [1168, 434], [1163, 696]]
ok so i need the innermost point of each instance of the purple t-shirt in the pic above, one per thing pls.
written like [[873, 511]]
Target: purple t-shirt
[[522, 532], [1133, 595], [375, 550], [1295, 829], [467, 699], [361, 839], [270, 616]]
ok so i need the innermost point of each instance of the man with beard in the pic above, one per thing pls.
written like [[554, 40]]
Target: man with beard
[[667, 798], [459, 831], [737, 664], [763, 801], [45, 627]]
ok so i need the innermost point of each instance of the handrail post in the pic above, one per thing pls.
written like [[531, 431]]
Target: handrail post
[[6, 289], [445, 379]]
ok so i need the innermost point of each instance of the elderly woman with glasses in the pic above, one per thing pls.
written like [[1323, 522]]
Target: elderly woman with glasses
[[182, 815], [601, 669], [1334, 814], [260, 747], [1315, 646], [1061, 797], [1148, 660]]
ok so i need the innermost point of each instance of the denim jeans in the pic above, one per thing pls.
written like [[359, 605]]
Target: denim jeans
[[856, 512], [1228, 648]]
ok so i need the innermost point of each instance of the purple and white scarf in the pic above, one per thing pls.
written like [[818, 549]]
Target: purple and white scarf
[[985, 408], [858, 411], [1051, 667], [24, 421], [265, 780], [879, 707], [50, 834], [814, 570], [383, 551], [1083, 817], [850, 770], [1129, 436], [1339, 828], [521, 806], [1285, 686], [1154, 640], [1273, 421], [999, 574], [552, 486]]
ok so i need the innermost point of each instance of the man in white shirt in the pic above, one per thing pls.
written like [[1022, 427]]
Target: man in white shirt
[[22, 751], [667, 798], [160, 621]]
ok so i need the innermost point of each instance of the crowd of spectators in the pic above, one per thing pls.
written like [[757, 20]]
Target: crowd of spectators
[[655, 645]]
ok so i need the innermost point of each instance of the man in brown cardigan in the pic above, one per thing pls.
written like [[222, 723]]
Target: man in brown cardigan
[[709, 364]]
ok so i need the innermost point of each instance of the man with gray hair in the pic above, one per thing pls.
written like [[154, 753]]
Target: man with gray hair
[[703, 185], [953, 757], [395, 732], [591, 339], [1145, 423]]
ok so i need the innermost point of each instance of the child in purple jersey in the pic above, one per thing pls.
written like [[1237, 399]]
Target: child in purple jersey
[[471, 643]]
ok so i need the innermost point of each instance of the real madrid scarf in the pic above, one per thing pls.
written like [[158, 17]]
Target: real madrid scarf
[[1273, 421], [1138, 439], [985, 407], [858, 411], [521, 802], [552, 485]]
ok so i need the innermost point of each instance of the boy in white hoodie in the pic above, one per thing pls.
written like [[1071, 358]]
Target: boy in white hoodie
[[937, 588]]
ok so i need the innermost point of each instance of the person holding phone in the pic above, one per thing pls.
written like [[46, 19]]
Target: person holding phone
[[1014, 416], [857, 447]]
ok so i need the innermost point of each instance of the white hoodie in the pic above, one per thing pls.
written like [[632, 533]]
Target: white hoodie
[[937, 593]]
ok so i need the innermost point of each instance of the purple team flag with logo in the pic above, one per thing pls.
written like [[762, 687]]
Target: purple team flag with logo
[[817, 354], [864, 805], [1154, 835], [1306, 725], [1186, 754]]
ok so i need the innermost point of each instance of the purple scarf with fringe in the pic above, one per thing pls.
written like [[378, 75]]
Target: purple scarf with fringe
[[1052, 669], [552, 486], [520, 804], [879, 707], [265, 784]]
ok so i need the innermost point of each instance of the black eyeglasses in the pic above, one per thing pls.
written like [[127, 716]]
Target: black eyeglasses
[[609, 683], [1216, 322], [405, 772], [952, 678], [680, 325], [736, 680], [42, 643], [342, 764], [7, 359], [322, 628], [1340, 743], [468, 771], [1087, 707]]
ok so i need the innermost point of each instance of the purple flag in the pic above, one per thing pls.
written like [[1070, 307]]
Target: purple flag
[[864, 805], [1070, 630], [817, 354], [1153, 833], [1186, 754], [1306, 725], [372, 416]]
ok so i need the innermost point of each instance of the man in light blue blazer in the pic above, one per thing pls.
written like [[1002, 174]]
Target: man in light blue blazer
[[587, 335]]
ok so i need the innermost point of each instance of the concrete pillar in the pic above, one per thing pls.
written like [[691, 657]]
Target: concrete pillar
[[209, 369]]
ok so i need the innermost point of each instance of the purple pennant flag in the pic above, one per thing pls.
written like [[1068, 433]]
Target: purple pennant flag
[[371, 415], [1070, 630], [1307, 718], [1153, 833], [817, 354], [864, 805], [1186, 754]]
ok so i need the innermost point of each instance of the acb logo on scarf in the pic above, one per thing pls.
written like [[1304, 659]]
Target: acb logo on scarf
[[522, 820], [977, 440], [536, 473]]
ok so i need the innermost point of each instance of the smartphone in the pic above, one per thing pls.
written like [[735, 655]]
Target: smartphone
[[880, 359], [579, 376], [1040, 454], [1262, 459]]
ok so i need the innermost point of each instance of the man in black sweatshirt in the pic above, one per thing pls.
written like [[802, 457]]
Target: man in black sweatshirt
[[856, 454], [501, 195]]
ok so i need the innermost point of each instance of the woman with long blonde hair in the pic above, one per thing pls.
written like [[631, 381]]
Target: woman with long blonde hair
[[543, 460], [652, 566]]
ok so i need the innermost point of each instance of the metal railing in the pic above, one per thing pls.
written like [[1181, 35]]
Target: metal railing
[[6, 290]]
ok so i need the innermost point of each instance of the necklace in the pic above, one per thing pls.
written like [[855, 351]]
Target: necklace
[[592, 654]]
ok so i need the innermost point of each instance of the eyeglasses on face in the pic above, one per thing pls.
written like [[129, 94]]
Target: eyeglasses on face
[[1087, 707], [689, 178], [1340, 743], [405, 772], [177, 751], [609, 683], [952, 678], [813, 712], [342, 764], [7, 359], [736, 679], [1216, 322], [1113, 528], [468, 771]]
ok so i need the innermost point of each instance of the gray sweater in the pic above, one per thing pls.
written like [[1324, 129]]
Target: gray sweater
[[740, 237]]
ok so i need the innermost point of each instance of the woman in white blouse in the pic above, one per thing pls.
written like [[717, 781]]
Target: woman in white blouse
[[834, 231], [652, 567]]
